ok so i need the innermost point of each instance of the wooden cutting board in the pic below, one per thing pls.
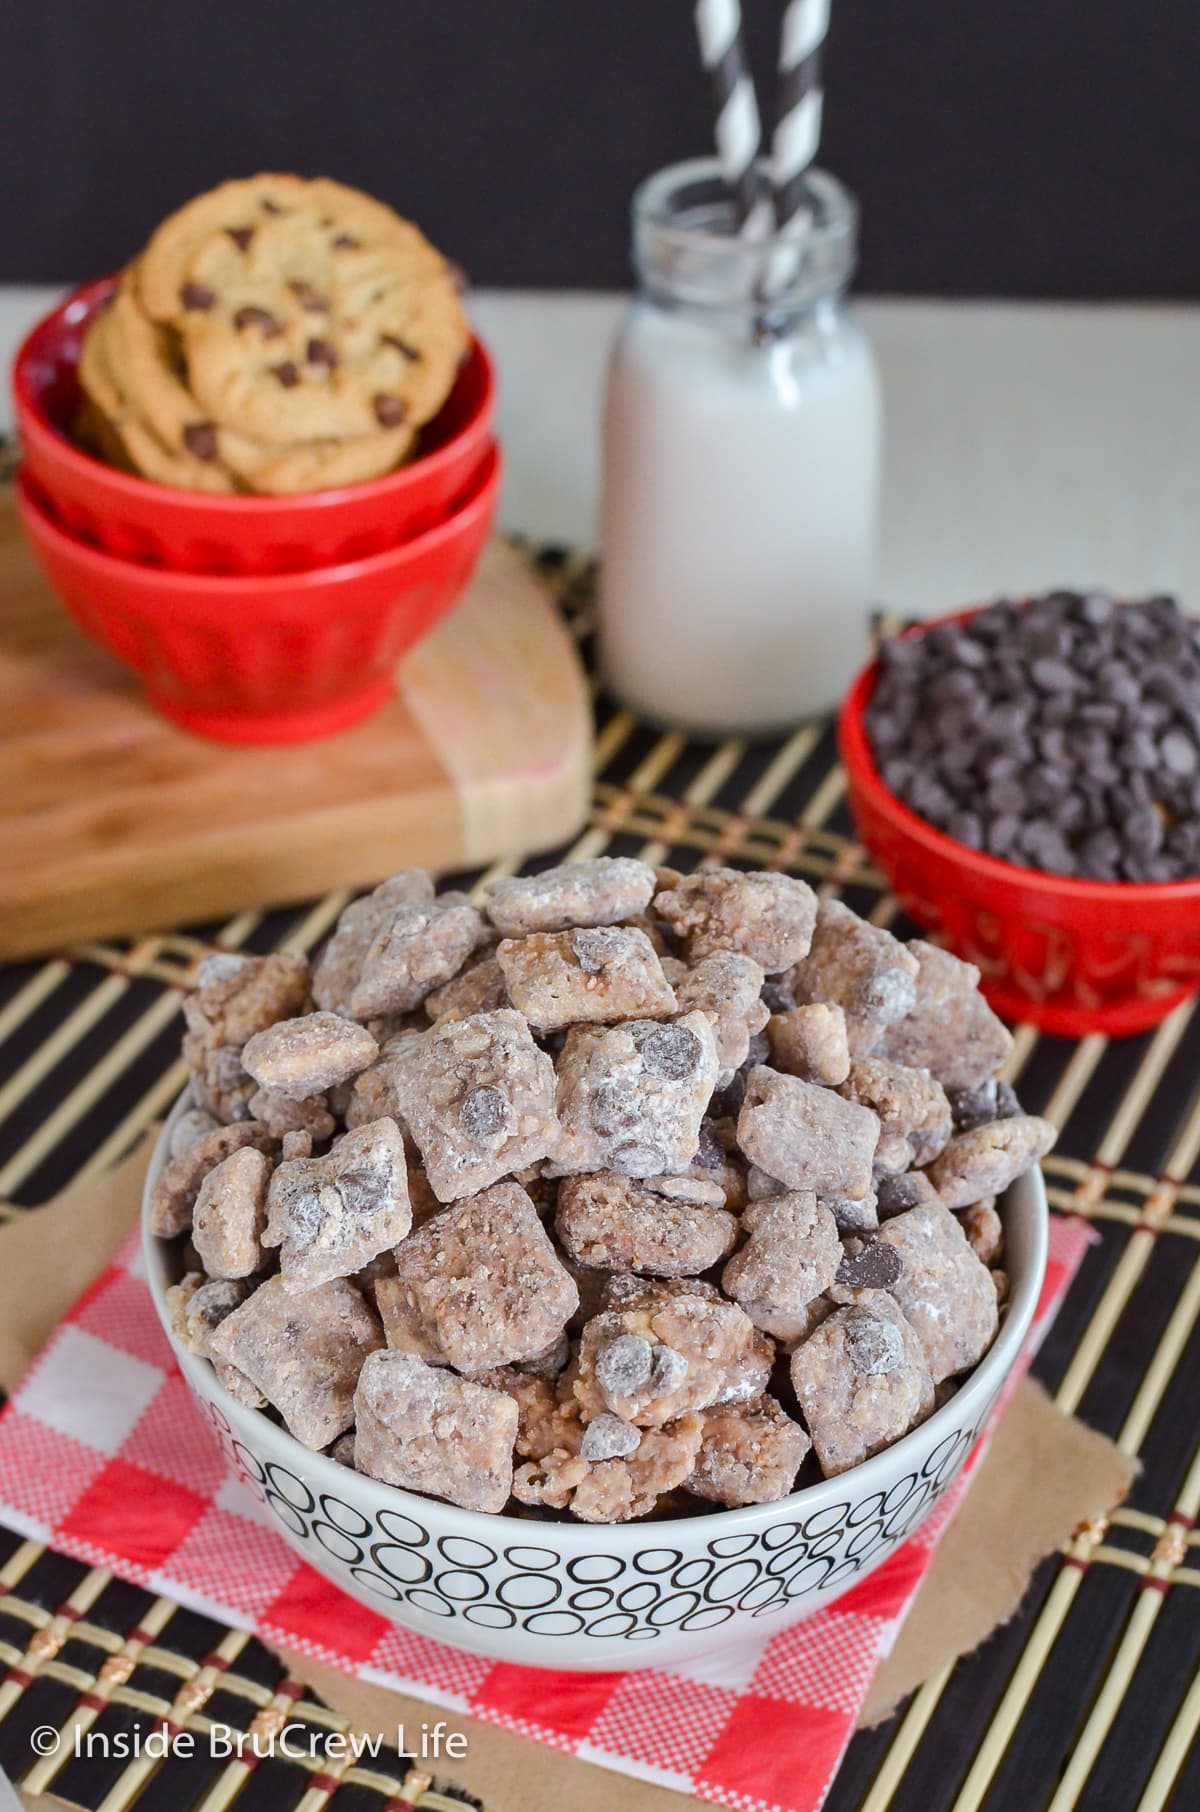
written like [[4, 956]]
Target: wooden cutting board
[[112, 820]]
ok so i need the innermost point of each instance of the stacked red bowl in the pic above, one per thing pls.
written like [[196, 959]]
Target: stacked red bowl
[[250, 618]]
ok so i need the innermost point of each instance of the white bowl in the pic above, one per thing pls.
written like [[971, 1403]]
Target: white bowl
[[604, 1596]]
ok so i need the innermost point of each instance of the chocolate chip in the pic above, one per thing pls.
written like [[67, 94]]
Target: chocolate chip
[[873, 1345], [1177, 751], [972, 1107], [1007, 1103], [288, 373], [322, 352], [672, 1052], [197, 296], [885, 995], [241, 237], [390, 411], [608, 1438], [668, 1369], [484, 1111], [876, 1267], [363, 1192], [595, 947], [200, 439], [344, 242], [308, 297], [897, 1193], [710, 1153], [262, 318], [401, 346], [624, 1365], [268, 206]]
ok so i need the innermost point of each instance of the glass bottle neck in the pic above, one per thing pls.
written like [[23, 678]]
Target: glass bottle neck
[[690, 256]]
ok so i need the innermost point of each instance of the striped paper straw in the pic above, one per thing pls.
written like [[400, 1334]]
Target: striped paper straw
[[738, 133], [798, 119]]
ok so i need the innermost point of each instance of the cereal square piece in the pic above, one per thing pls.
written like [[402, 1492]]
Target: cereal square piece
[[793, 1326], [375, 1092], [478, 1097], [302, 1057], [861, 1382], [633, 1484], [240, 995], [660, 1350], [195, 1123], [548, 1417], [173, 1197], [330, 1216], [728, 987], [631, 1098], [482, 1282], [417, 949], [987, 1159], [861, 1216], [420, 1427], [340, 965], [807, 1136], [209, 1306], [764, 915], [912, 1107], [304, 1353], [237, 996], [178, 1298], [750, 1453], [281, 1115], [811, 1042], [479, 988], [230, 1215], [943, 1289], [621, 1225], [791, 1254], [984, 1230], [719, 1162], [860, 967], [238, 1385], [598, 892], [950, 1030], [625, 1472], [390, 1030], [592, 976], [198, 1304]]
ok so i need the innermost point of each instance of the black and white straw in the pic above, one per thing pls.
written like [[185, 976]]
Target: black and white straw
[[738, 132], [798, 118]]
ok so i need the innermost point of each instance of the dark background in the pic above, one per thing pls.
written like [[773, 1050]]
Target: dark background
[[1035, 148]]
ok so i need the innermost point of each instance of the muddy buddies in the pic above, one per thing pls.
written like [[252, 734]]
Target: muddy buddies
[[613, 1192]]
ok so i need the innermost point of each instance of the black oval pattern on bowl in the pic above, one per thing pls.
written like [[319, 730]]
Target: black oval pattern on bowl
[[600, 1595]]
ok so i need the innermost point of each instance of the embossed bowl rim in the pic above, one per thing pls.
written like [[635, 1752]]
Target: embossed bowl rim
[[1026, 1226]]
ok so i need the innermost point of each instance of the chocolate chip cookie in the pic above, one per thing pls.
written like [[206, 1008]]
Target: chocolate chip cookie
[[308, 311]]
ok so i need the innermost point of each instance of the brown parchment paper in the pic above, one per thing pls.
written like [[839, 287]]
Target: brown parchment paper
[[1044, 1474]]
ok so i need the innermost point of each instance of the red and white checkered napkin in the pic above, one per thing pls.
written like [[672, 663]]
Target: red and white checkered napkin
[[103, 1455]]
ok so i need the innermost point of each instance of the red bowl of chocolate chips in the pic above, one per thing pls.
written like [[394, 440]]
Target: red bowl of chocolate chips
[[1027, 776]]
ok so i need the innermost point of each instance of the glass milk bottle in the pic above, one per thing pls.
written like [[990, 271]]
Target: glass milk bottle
[[741, 455]]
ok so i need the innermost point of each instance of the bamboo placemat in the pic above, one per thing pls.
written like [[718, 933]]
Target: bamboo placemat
[[1089, 1699]]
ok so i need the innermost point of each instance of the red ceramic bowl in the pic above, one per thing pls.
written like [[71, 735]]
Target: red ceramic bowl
[[1069, 956], [277, 658], [191, 531]]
